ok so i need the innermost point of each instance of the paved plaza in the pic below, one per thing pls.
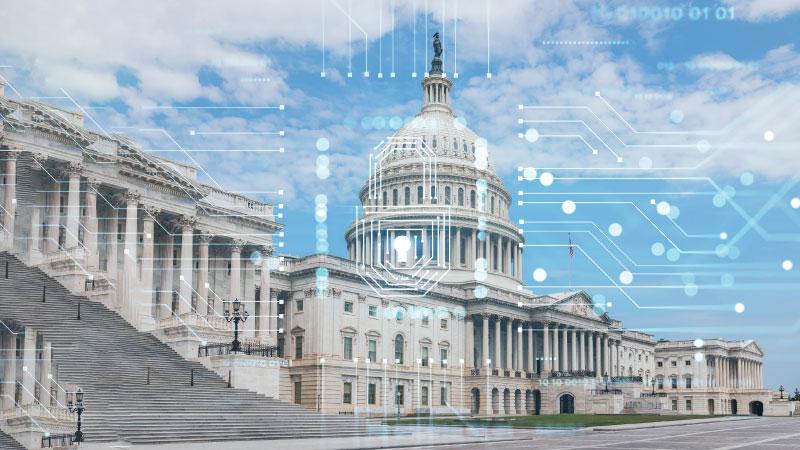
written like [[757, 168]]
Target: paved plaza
[[744, 433]]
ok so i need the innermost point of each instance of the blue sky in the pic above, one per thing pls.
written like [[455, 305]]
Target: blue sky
[[686, 103]]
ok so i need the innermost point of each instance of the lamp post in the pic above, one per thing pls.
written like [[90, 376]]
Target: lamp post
[[235, 316], [397, 401], [76, 407], [605, 380], [781, 390]]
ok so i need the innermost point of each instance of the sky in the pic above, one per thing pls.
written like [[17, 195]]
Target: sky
[[684, 211]]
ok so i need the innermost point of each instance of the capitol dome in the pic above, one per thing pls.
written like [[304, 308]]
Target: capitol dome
[[433, 182]]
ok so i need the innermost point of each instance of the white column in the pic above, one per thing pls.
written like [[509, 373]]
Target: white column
[[53, 198], [485, 341], [111, 241], [47, 369], [73, 205], [264, 309], [509, 345], [581, 351], [556, 356], [574, 337], [545, 348], [469, 338], [130, 275], [167, 277], [185, 279], [148, 259], [10, 369], [29, 367], [519, 347], [10, 201], [564, 352], [90, 225], [236, 277], [203, 304], [498, 354], [531, 348]]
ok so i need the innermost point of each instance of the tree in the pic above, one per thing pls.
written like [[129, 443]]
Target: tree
[[796, 396]]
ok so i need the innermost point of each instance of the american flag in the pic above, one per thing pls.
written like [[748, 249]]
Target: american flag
[[571, 251]]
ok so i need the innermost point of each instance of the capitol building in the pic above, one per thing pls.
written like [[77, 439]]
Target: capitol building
[[425, 315]]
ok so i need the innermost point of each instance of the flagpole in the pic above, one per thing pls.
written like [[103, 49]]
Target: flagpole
[[570, 261]]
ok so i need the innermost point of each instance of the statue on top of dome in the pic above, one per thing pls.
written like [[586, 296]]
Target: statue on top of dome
[[436, 63]]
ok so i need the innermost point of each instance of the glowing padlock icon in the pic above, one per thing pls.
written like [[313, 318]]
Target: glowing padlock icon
[[401, 245]]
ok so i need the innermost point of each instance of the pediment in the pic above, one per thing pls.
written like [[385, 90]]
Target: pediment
[[751, 346], [577, 304]]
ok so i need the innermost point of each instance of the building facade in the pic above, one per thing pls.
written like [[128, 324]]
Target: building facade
[[426, 315]]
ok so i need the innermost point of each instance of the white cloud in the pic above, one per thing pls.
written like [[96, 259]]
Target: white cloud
[[763, 10]]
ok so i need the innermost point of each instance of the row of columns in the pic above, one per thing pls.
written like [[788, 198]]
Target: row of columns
[[27, 369], [564, 348], [135, 278], [731, 372], [368, 245]]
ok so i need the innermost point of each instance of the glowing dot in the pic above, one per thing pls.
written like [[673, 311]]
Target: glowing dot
[[480, 292], [673, 254], [739, 308], [529, 173], [645, 163], [690, 289], [568, 207], [657, 249], [539, 275], [727, 280], [787, 265], [703, 146], [662, 208], [795, 203], [460, 123], [746, 179], [721, 250], [546, 179], [626, 277], [531, 135], [719, 200], [676, 116], [698, 356], [674, 212], [615, 229], [321, 199], [481, 264], [395, 123], [698, 343], [769, 136], [723, 235], [323, 144]]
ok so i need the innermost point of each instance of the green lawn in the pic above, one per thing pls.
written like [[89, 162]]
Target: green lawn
[[558, 421]]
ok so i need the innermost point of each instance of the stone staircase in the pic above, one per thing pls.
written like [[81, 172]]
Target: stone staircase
[[109, 360], [9, 443]]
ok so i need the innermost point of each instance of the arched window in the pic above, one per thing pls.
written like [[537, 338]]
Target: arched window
[[398, 349], [462, 250], [465, 149], [460, 196], [492, 205], [434, 142], [433, 194], [385, 198], [472, 199], [447, 195], [420, 194], [394, 197], [455, 145], [407, 196]]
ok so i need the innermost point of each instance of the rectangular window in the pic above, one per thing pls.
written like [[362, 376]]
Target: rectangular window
[[372, 350], [443, 395], [298, 305], [688, 383], [688, 362], [674, 404], [443, 324], [443, 357], [424, 395], [661, 383], [424, 356], [660, 364], [674, 383], [298, 392], [373, 311], [347, 396], [688, 405], [399, 395], [348, 347], [371, 389], [674, 364], [348, 307], [298, 347], [426, 318]]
